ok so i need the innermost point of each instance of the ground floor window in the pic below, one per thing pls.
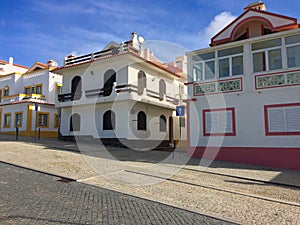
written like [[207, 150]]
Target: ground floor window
[[56, 120], [7, 120], [162, 123], [142, 121], [18, 119], [109, 120], [43, 119], [219, 122], [75, 120], [283, 119]]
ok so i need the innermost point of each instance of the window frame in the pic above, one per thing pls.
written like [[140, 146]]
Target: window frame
[[142, 125], [38, 86], [233, 122], [109, 115], [21, 122], [47, 114], [6, 91], [56, 115], [4, 120], [162, 127]]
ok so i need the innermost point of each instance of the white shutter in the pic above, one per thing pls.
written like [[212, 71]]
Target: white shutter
[[276, 120], [219, 122], [293, 118]]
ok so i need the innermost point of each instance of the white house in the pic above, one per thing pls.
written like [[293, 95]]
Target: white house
[[244, 91], [22, 93], [123, 96]]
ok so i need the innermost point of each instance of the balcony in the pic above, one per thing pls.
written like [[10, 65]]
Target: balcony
[[20, 97], [123, 48]]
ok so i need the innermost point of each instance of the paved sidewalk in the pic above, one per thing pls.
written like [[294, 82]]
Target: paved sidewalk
[[237, 192]]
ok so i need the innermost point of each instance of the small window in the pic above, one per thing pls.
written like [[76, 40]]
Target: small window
[[18, 119], [38, 89], [27, 90], [141, 82], [142, 121], [43, 119], [7, 120], [56, 121], [162, 89], [75, 122], [162, 123], [6, 91], [109, 120]]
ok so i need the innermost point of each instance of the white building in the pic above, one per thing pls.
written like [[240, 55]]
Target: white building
[[22, 93], [122, 95], [244, 103]]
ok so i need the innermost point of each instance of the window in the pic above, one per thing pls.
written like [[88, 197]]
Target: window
[[7, 120], [267, 55], [162, 89], [58, 88], [282, 119], [76, 88], [142, 121], [18, 119], [75, 122], [219, 122], [27, 90], [56, 120], [38, 89], [6, 91], [204, 66], [43, 119], [109, 79], [162, 123], [109, 119], [142, 82], [293, 50]]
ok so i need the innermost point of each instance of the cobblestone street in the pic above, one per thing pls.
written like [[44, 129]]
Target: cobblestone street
[[29, 197]]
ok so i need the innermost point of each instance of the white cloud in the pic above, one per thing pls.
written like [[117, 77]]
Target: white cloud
[[219, 22]]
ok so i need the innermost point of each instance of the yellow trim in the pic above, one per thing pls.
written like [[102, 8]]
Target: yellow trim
[[57, 86], [29, 119], [26, 87], [48, 119], [24, 95], [44, 134], [38, 85], [16, 113], [7, 126], [55, 125]]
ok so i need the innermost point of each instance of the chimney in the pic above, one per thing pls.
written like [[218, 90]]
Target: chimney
[[11, 61], [260, 6], [52, 63], [134, 39]]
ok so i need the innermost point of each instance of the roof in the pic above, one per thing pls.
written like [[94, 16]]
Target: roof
[[276, 22], [4, 62], [37, 65]]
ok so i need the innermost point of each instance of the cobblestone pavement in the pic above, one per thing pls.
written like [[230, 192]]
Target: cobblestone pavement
[[237, 192], [28, 197]]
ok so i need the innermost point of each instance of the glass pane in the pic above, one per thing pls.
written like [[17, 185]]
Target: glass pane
[[275, 59], [259, 62], [293, 56], [224, 67], [209, 70], [292, 39], [266, 44], [205, 56], [230, 51], [197, 72], [237, 65]]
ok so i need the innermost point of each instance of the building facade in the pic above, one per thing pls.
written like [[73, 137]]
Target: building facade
[[27, 101], [244, 103], [123, 96]]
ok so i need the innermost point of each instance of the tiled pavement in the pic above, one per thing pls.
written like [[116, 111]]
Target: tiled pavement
[[28, 197]]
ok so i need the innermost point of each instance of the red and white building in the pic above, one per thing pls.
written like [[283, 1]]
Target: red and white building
[[244, 93]]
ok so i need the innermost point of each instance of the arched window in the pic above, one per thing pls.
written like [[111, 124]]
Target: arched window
[[6, 91], [109, 120], [162, 89], [109, 79], [75, 122], [76, 87], [142, 82], [142, 121], [162, 123]]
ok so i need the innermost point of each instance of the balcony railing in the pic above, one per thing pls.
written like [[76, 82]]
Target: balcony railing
[[123, 48], [277, 80]]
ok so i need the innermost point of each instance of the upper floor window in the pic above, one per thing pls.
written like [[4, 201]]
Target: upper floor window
[[267, 55], [141, 82], [38, 89], [76, 86], [109, 120], [6, 91], [204, 66], [162, 89], [27, 90], [230, 62], [142, 121], [293, 50], [109, 79]]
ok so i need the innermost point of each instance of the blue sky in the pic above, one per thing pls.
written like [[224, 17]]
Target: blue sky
[[39, 30]]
